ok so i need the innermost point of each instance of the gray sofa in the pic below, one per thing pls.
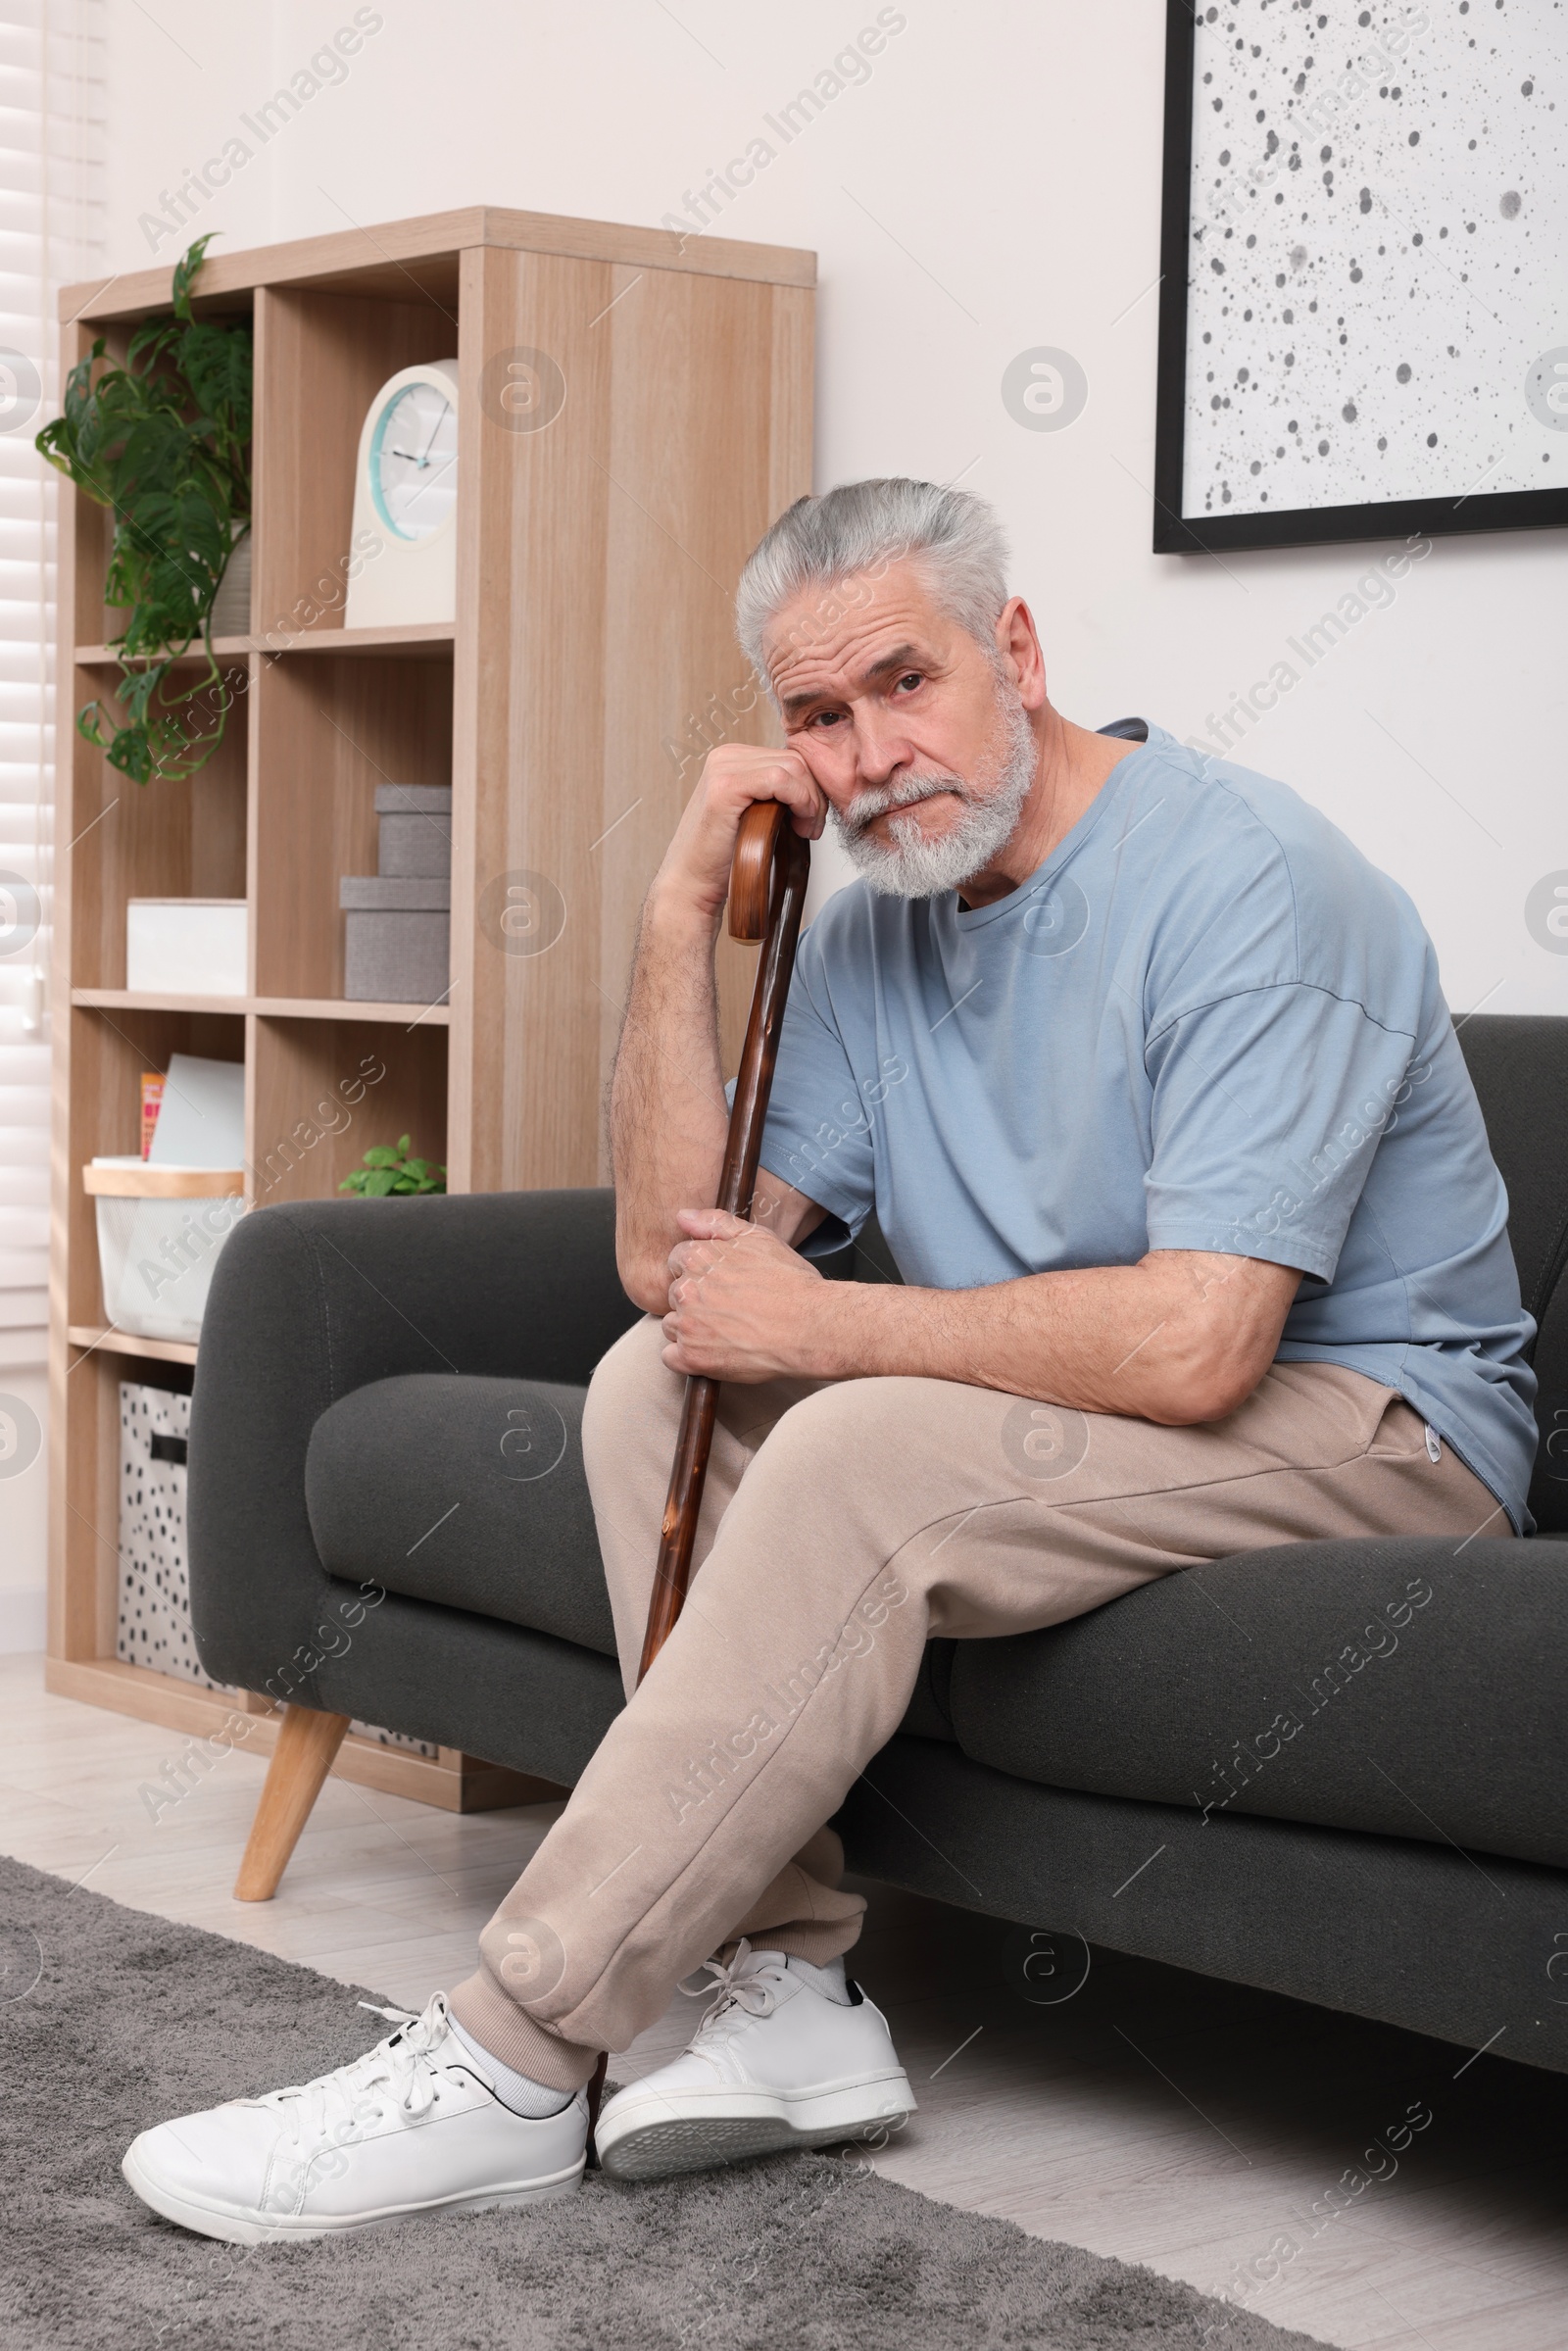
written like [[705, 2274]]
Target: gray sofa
[[1335, 1770]]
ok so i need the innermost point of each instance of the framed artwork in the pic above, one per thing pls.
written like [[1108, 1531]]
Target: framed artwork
[[1363, 327]]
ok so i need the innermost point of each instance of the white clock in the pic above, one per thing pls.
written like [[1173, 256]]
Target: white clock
[[406, 502]]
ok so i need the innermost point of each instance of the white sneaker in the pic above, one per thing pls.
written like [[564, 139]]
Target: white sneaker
[[773, 2064], [414, 2126]]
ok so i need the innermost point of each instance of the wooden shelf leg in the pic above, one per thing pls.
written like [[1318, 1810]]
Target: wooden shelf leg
[[307, 1744]]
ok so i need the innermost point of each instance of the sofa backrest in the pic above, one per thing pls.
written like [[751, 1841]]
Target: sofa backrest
[[1519, 1065]]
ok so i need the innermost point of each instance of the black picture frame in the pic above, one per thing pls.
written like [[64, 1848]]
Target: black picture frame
[[1177, 533]]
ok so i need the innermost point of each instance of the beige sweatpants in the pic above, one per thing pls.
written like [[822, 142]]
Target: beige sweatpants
[[844, 1524]]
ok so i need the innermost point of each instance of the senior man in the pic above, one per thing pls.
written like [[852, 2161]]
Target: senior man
[[1147, 1076]]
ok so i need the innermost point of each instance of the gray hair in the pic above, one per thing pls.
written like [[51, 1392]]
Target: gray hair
[[864, 526]]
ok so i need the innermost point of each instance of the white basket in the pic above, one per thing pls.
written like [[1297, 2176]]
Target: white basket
[[160, 1230]]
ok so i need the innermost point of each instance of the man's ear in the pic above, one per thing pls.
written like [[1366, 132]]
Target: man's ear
[[1018, 645]]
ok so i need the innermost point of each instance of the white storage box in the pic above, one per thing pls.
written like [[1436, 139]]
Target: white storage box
[[160, 1230], [186, 946]]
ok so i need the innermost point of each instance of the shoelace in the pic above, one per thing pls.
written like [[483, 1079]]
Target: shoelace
[[400, 2068], [748, 1987]]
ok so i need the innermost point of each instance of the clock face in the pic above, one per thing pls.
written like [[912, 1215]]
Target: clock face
[[413, 461]]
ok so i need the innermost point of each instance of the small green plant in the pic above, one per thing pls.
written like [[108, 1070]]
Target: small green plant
[[386, 1171], [162, 442]]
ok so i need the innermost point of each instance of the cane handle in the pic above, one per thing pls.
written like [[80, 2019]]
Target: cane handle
[[751, 874]]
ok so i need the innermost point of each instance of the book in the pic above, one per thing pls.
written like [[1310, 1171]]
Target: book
[[152, 1095], [201, 1116]]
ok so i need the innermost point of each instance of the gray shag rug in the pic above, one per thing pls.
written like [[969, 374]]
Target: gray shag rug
[[118, 2020]]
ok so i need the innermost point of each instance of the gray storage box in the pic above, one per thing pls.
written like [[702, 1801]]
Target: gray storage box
[[397, 947], [416, 829]]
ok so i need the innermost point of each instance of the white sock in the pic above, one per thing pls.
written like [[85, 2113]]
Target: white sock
[[515, 2090], [828, 1980]]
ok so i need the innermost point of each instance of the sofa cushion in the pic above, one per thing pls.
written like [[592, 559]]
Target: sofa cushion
[[1413, 1688], [463, 1491], [1519, 1065], [470, 1493], [926, 1715]]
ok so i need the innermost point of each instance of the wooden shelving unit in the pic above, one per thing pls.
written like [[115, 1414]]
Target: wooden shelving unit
[[593, 646], [433, 639], [281, 1007]]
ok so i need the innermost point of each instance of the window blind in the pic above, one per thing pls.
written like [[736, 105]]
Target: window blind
[[51, 202]]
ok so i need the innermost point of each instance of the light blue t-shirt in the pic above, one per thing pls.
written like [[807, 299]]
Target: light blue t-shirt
[[1206, 1022]]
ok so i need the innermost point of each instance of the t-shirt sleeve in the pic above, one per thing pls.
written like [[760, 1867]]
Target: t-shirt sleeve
[[819, 1124], [1268, 1106]]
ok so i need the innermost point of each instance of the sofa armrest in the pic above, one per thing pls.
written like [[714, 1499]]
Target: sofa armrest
[[314, 1299]]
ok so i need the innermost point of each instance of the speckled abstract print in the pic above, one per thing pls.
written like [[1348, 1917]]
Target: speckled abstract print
[[1378, 298]]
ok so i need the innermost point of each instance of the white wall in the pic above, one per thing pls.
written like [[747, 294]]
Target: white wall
[[993, 185]]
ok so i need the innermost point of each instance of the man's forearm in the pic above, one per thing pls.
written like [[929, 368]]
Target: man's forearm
[[1181, 1337], [667, 1114]]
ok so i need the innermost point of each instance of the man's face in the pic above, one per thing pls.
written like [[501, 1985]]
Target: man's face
[[914, 731]]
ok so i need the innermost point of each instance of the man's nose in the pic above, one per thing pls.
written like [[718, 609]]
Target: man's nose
[[882, 752]]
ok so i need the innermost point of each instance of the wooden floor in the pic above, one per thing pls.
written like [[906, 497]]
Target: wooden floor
[[1153, 2115]]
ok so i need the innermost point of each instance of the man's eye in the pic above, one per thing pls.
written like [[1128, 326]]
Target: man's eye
[[911, 677], [822, 718]]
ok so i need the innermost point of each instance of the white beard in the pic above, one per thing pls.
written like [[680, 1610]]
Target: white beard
[[913, 866]]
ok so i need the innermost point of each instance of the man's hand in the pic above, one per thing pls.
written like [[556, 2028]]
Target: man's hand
[[741, 1305], [695, 873], [667, 1114]]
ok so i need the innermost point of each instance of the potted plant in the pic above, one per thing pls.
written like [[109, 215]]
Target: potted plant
[[386, 1171], [162, 442]]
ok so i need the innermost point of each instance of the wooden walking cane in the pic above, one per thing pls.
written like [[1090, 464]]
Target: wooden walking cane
[[767, 892]]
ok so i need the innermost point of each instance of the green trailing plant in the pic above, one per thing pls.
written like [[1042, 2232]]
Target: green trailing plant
[[386, 1171], [163, 443]]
